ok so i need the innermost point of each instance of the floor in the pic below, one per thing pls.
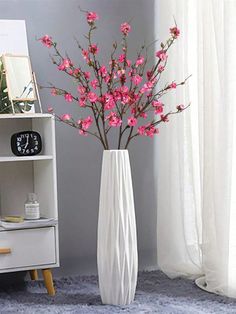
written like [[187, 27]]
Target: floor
[[155, 294]]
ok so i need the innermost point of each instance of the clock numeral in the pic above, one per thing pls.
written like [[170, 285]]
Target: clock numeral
[[19, 149], [18, 139], [36, 148]]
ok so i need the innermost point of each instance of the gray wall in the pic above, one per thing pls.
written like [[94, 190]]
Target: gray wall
[[78, 158]]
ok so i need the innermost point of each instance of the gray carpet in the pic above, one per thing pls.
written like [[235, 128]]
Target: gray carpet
[[155, 294]]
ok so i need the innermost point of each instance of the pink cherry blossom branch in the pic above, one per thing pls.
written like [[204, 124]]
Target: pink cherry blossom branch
[[123, 97], [164, 119]]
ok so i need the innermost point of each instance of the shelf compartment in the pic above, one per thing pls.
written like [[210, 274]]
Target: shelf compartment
[[17, 179], [43, 125]]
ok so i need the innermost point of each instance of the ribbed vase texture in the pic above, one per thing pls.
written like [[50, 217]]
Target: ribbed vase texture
[[117, 256]]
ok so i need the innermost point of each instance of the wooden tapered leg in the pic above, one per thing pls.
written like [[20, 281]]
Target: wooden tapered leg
[[34, 274], [47, 275]]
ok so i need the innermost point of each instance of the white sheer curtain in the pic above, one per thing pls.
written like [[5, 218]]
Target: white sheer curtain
[[196, 151]]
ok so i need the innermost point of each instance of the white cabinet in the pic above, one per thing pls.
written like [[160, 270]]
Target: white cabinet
[[35, 248]]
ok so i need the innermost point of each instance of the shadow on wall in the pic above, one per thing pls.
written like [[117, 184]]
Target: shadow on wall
[[78, 158]]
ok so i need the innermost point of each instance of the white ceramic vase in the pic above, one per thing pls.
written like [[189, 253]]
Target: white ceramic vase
[[117, 256]]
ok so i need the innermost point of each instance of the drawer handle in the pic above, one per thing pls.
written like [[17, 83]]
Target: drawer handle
[[5, 250]]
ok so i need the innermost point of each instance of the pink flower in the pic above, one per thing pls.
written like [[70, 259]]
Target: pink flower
[[136, 79], [87, 75], [126, 99], [109, 102], [92, 17], [174, 32], [158, 106], [82, 132], [161, 54], [61, 67], [131, 73], [141, 130], [151, 131], [50, 109], [65, 117], [121, 58], [132, 121], [86, 123], [143, 115], [124, 89], [113, 119], [67, 63], [82, 102], [92, 97], [102, 71], [139, 61], [164, 118], [68, 97], [147, 87], [125, 28], [128, 63], [172, 85], [160, 68], [120, 72], [54, 92], [107, 79], [76, 72], [94, 83], [180, 107], [147, 130], [46, 41], [149, 75], [85, 54], [81, 89], [93, 49], [157, 103]]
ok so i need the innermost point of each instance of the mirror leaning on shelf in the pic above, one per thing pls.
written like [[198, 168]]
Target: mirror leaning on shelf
[[18, 86]]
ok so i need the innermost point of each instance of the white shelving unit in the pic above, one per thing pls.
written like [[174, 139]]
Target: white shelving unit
[[34, 248]]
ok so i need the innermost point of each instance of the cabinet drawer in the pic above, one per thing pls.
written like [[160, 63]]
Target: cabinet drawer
[[28, 247]]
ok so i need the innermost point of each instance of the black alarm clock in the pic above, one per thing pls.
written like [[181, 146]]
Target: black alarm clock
[[27, 143]]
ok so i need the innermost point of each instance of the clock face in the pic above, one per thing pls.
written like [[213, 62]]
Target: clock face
[[26, 143]]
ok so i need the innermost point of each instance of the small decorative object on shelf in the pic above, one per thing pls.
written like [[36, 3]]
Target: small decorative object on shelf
[[125, 94], [27, 143], [18, 88], [13, 219], [32, 211]]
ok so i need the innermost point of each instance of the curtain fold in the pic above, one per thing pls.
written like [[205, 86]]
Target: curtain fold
[[196, 152]]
